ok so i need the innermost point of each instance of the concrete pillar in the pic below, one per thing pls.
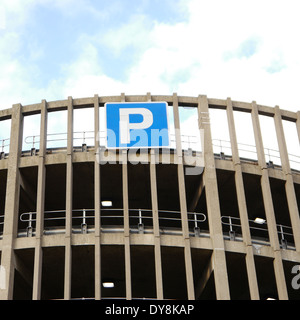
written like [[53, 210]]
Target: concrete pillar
[[69, 200], [37, 276], [289, 184], [183, 205], [124, 161], [298, 125], [157, 240], [213, 205], [250, 264], [126, 225], [97, 200], [12, 202], [268, 204]]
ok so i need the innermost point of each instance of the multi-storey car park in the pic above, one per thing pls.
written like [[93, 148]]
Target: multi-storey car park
[[79, 220]]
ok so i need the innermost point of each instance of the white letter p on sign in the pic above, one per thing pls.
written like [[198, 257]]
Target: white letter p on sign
[[125, 125]]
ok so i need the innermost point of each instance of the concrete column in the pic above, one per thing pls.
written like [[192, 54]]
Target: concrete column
[[157, 241], [12, 202], [268, 204], [183, 205], [298, 125], [69, 200], [289, 184], [240, 190], [126, 218], [126, 225], [37, 276], [265, 184], [97, 199], [213, 205]]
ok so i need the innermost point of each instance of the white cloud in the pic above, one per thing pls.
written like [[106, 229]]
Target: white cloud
[[246, 50], [188, 57], [133, 34], [84, 76], [2, 17]]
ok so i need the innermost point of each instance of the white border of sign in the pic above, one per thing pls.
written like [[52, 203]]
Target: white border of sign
[[139, 147]]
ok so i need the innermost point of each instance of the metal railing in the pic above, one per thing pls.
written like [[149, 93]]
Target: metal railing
[[82, 136], [139, 219], [1, 219], [188, 142], [4, 145], [272, 155], [1, 224], [112, 220], [285, 233]]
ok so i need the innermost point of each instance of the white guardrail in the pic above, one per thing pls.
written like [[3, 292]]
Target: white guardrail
[[110, 218], [222, 147], [139, 219]]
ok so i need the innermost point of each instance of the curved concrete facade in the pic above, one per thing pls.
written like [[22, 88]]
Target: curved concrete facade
[[168, 234]]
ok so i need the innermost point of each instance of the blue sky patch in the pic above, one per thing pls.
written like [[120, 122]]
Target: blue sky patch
[[246, 49]]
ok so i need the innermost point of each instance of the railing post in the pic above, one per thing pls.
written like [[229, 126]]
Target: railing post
[[231, 232], [84, 224], [140, 225], [29, 228], [196, 228], [283, 241]]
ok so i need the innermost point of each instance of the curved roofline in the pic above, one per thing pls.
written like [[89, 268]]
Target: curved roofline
[[182, 101]]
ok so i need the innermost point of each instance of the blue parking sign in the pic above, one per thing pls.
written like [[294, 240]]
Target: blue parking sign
[[137, 125]]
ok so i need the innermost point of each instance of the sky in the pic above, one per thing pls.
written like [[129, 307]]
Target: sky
[[246, 50]]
